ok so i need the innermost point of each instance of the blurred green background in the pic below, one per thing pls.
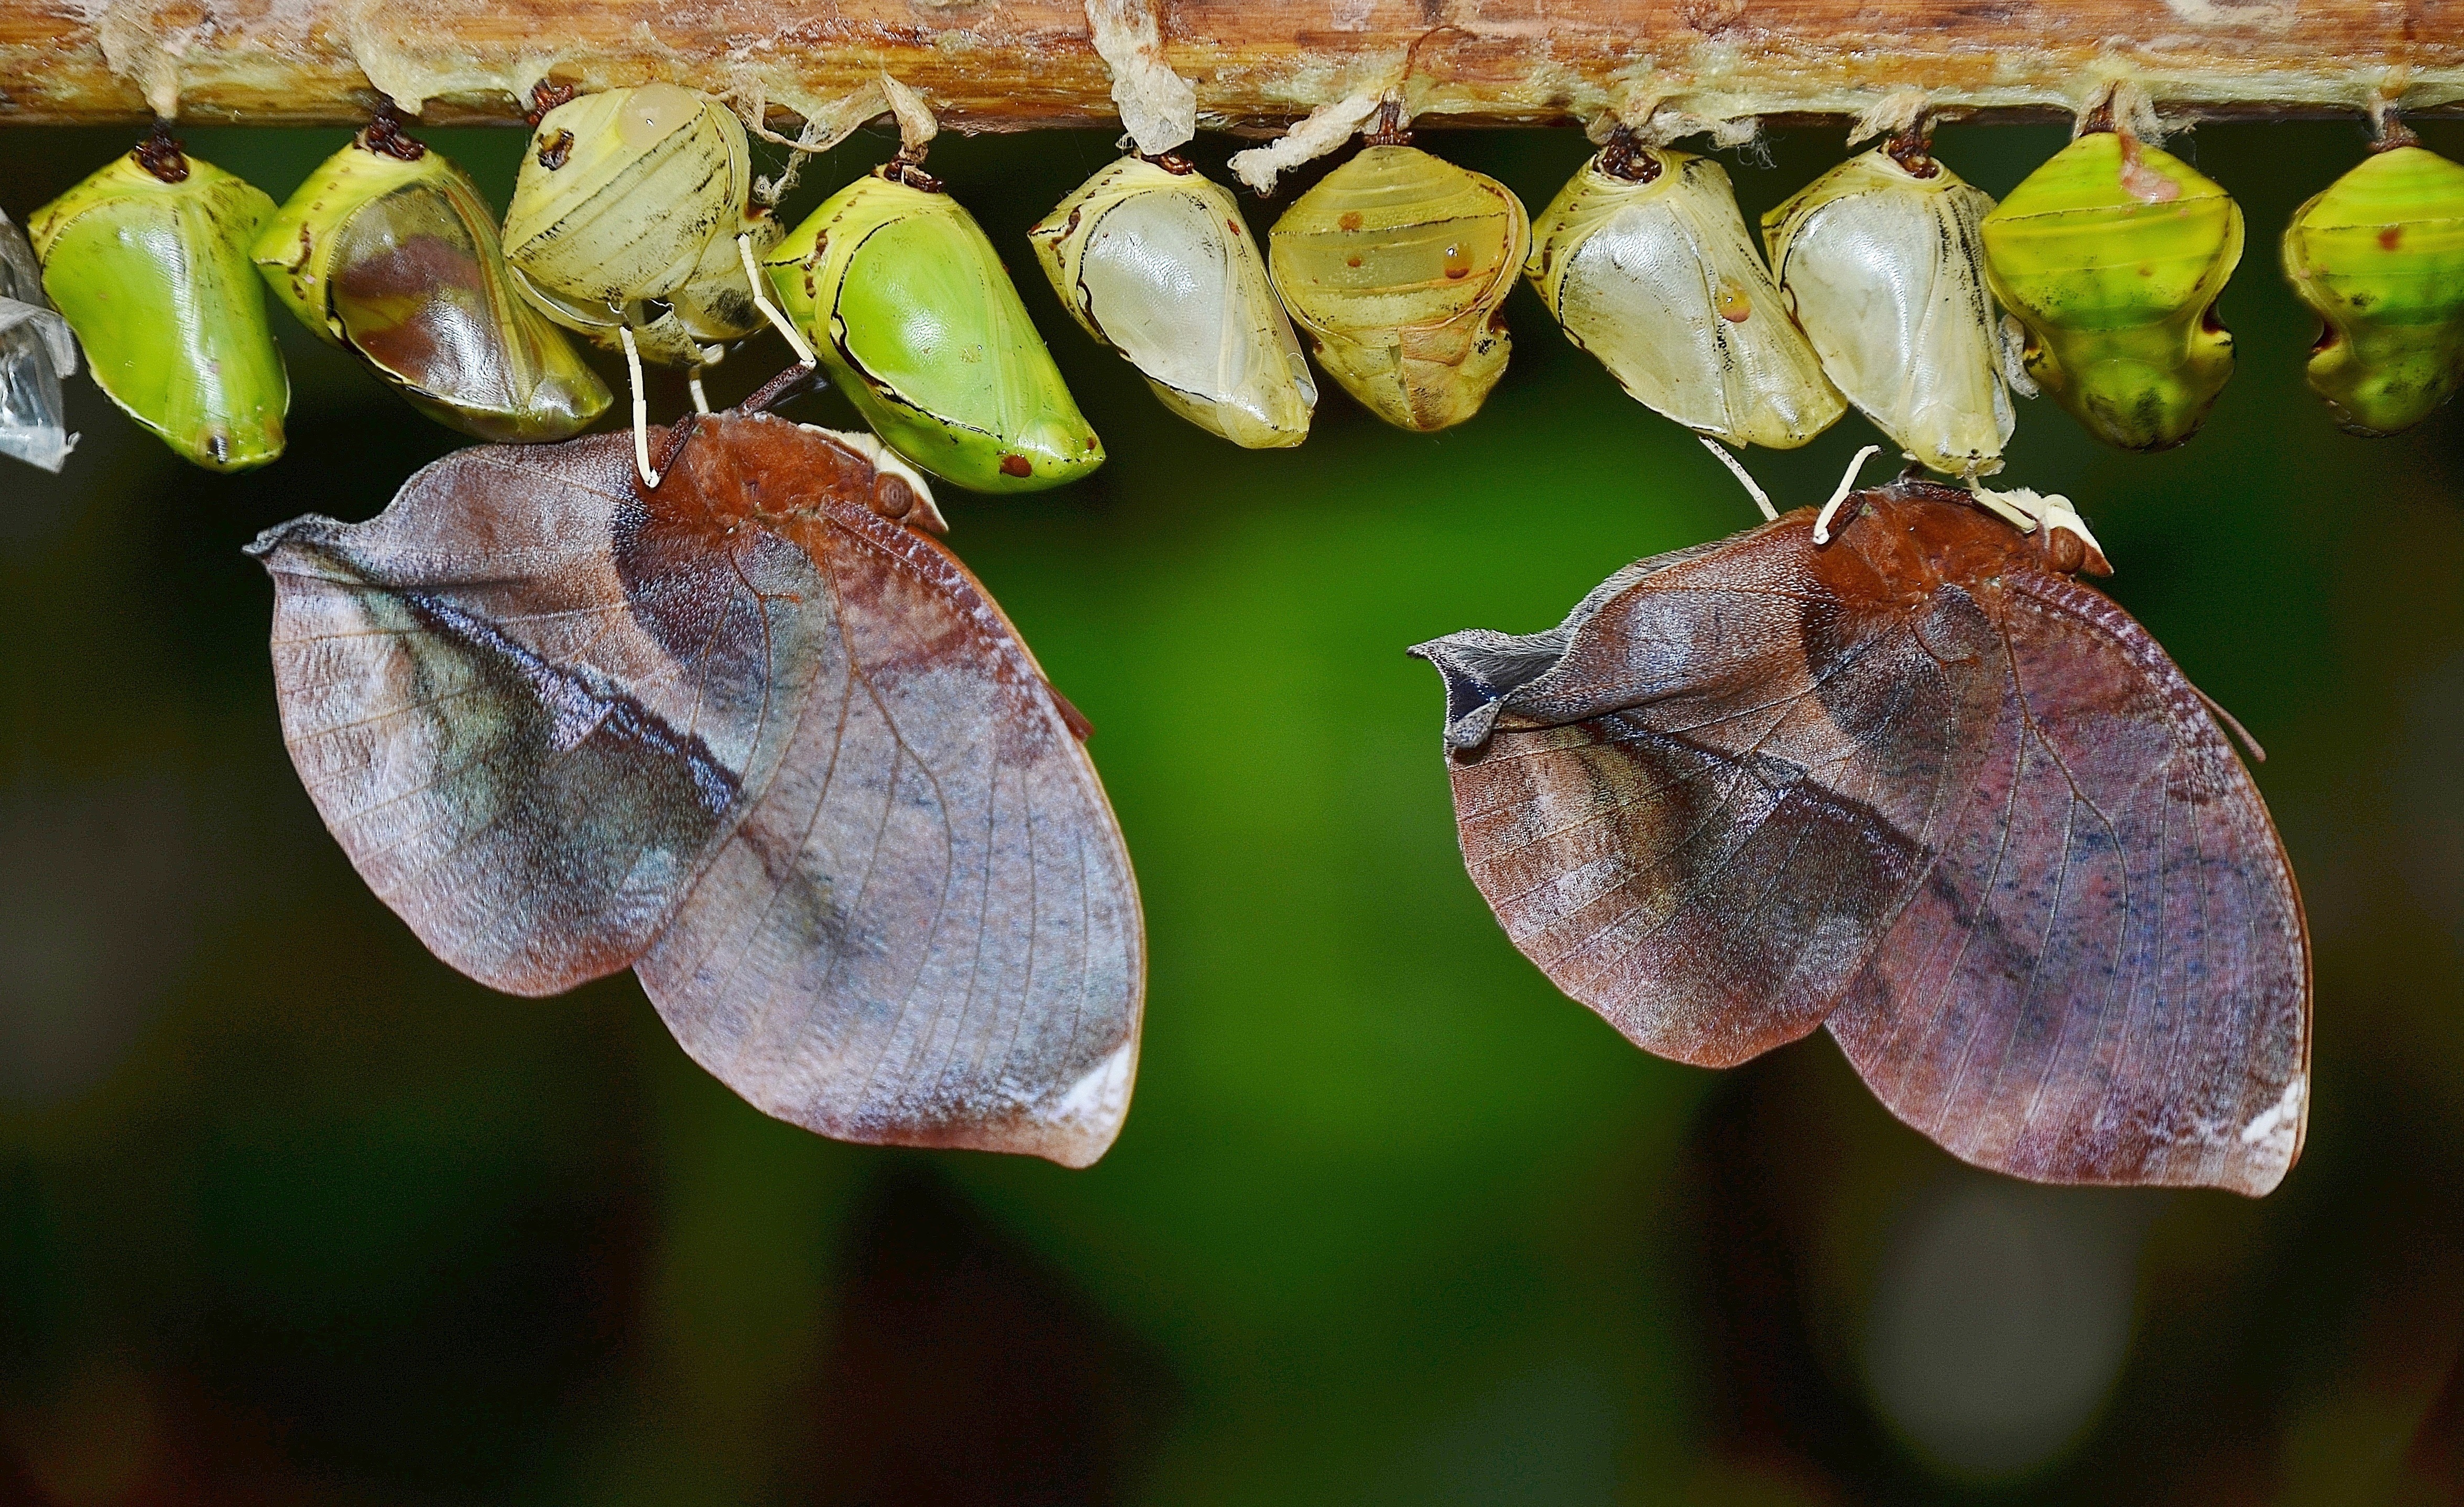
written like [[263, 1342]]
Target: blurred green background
[[289, 1212]]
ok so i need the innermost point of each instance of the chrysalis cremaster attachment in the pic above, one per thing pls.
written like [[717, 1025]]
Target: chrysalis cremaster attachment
[[1396, 264], [1645, 261], [388, 251], [36, 350], [2112, 255], [626, 212], [906, 302], [1882, 262], [2380, 258], [148, 260], [1156, 261]]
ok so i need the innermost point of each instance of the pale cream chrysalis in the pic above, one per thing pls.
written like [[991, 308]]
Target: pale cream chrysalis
[[1882, 262], [1395, 266], [1159, 265], [1647, 263]]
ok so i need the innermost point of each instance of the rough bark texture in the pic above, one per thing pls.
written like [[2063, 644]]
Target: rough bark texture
[[1019, 64]]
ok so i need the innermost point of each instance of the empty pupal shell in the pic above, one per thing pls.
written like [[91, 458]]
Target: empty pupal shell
[[1396, 264], [36, 350], [2111, 255], [906, 302], [626, 212], [1157, 264], [388, 251], [2380, 258], [1883, 265], [1645, 261], [150, 266]]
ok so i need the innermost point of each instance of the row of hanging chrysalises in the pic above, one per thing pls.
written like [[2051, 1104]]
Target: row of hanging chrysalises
[[636, 222]]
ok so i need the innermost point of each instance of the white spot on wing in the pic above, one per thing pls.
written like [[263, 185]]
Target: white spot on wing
[[2276, 1125], [1093, 1106]]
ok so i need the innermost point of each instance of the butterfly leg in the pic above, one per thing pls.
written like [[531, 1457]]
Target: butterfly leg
[[641, 408], [770, 311], [1736, 467]]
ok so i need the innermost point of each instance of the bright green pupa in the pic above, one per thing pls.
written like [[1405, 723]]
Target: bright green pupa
[[906, 302], [2112, 255], [148, 261], [2380, 257]]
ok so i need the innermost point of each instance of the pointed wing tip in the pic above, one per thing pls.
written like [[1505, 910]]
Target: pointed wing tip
[[1077, 1125], [263, 548], [2253, 1171], [2251, 1159], [1471, 703], [1072, 1125], [2271, 1142], [2251, 1177]]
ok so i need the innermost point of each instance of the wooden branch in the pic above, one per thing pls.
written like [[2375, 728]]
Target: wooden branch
[[1019, 64]]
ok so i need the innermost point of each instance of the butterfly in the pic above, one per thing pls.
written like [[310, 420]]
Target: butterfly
[[1907, 777], [752, 732]]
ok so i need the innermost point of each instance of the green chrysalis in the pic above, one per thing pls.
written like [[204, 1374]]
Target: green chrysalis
[[147, 260], [906, 302], [2111, 255], [388, 251], [2380, 257]]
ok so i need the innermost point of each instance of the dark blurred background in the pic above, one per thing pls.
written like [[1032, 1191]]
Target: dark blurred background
[[289, 1212]]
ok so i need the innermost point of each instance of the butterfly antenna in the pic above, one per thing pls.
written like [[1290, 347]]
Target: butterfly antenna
[[789, 383], [1840, 493], [1744, 478], [2257, 754], [641, 409], [677, 436]]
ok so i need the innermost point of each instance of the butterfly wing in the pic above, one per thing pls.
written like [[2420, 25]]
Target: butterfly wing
[[925, 930], [2106, 976], [514, 761], [779, 753], [1694, 808], [1965, 809]]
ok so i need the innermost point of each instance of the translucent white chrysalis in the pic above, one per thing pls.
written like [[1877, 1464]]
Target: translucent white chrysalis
[[1645, 261], [1157, 264], [1882, 262], [36, 350]]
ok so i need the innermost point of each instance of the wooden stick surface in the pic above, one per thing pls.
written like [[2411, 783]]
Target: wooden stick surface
[[1020, 64]]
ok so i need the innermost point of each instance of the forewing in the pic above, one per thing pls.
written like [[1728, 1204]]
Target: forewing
[[1701, 817], [2106, 978], [525, 703], [925, 932]]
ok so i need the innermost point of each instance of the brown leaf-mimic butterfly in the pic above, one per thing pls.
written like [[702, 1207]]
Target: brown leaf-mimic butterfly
[[1920, 785], [751, 734]]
